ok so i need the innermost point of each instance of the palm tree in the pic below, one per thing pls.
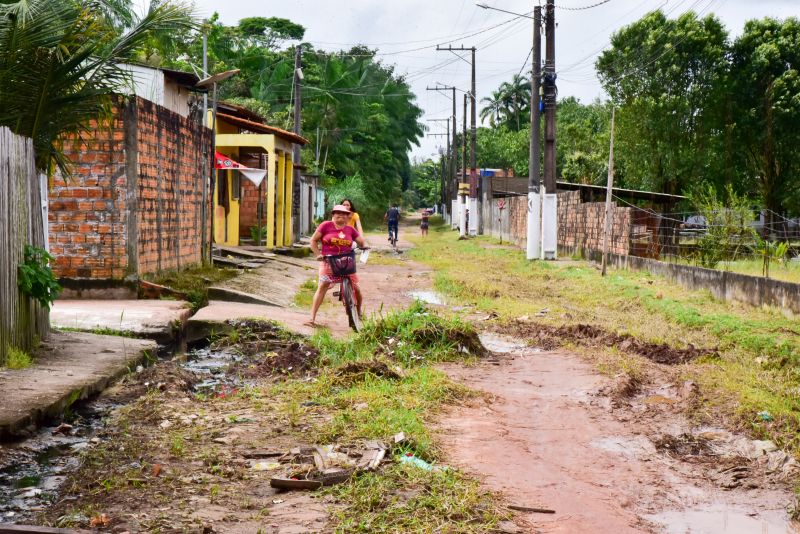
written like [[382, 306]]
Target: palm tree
[[516, 96], [60, 63], [494, 109]]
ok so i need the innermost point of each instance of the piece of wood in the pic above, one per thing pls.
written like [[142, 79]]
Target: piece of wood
[[530, 509], [292, 484], [243, 252], [263, 454]]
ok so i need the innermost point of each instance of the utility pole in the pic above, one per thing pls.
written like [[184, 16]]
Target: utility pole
[[474, 132], [452, 149], [549, 204], [462, 208], [609, 190], [534, 230], [298, 103]]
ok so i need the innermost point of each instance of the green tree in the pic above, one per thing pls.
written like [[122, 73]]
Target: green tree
[[765, 90], [59, 64], [665, 77]]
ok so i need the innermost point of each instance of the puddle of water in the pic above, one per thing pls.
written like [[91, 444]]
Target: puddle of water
[[428, 297], [720, 519]]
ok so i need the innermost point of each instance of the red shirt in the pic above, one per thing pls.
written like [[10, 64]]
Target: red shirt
[[336, 241]]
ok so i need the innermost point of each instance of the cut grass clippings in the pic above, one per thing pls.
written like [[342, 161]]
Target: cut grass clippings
[[758, 365]]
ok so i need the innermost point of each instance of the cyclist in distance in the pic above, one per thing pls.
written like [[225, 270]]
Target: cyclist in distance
[[392, 217], [336, 237]]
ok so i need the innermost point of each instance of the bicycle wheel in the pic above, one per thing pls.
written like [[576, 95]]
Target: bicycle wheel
[[350, 305]]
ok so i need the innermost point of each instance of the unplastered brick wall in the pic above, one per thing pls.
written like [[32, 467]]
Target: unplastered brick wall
[[170, 156], [88, 210], [581, 224], [133, 202]]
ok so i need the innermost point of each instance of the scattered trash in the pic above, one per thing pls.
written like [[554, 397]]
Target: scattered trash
[[765, 416], [101, 520], [410, 459], [265, 466], [165, 423], [542, 312], [277, 501]]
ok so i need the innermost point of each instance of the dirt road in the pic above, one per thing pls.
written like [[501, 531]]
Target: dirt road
[[554, 433]]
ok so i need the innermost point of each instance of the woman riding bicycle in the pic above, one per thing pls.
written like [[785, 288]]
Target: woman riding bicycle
[[337, 238]]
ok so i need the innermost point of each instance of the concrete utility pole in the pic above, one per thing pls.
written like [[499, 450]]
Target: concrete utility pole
[[609, 190], [298, 104], [462, 205], [451, 186], [534, 231], [474, 132], [549, 204]]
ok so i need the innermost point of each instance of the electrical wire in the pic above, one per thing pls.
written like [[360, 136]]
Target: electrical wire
[[584, 7]]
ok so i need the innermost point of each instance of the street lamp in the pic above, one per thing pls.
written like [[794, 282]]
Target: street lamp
[[212, 82], [485, 6]]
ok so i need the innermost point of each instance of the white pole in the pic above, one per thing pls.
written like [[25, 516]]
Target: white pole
[[462, 216], [609, 187], [534, 233]]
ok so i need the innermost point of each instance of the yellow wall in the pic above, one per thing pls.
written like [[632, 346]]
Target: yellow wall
[[277, 191], [226, 228]]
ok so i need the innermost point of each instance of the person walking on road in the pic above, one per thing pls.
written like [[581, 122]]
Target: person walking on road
[[423, 225]]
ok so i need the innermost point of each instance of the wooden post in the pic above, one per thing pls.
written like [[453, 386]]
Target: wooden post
[[609, 188]]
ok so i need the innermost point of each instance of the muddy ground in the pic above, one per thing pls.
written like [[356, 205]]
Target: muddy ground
[[610, 455]]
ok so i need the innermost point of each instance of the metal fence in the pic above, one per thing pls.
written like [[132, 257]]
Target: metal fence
[[22, 320]]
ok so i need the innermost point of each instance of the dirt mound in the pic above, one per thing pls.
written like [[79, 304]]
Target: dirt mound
[[292, 358], [354, 372], [549, 337]]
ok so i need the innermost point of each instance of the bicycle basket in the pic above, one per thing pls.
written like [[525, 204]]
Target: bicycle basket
[[343, 264]]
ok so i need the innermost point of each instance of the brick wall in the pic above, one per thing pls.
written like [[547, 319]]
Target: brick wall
[[248, 208], [133, 202], [169, 188], [580, 225], [88, 210]]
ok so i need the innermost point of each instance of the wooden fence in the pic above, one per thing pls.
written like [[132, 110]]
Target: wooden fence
[[22, 320]]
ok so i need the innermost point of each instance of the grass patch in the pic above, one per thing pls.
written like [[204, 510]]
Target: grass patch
[[759, 365], [17, 358], [193, 281], [305, 294], [100, 331], [405, 499]]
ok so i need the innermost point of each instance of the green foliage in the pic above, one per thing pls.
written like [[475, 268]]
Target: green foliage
[[17, 358], [258, 235], [764, 85], [425, 185], [728, 227], [769, 251], [666, 76], [36, 278], [60, 62]]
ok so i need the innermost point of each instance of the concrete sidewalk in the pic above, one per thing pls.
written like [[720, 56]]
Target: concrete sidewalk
[[160, 320], [70, 366]]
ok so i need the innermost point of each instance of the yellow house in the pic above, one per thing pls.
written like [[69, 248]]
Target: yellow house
[[241, 208]]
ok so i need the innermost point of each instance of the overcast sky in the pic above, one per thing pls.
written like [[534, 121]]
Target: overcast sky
[[406, 33]]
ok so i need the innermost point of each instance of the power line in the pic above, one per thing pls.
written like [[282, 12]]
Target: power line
[[584, 7]]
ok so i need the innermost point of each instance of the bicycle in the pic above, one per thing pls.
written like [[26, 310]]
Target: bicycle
[[343, 266], [393, 236]]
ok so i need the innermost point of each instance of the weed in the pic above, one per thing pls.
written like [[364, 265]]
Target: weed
[[178, 446], [305, 294], [17, 358], [194, 282]]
